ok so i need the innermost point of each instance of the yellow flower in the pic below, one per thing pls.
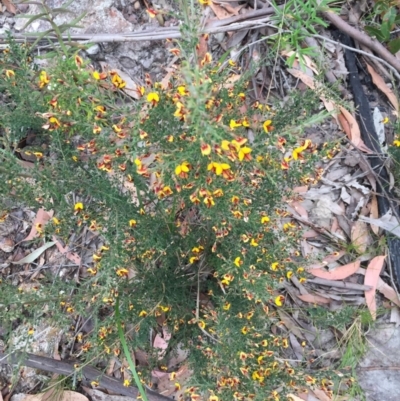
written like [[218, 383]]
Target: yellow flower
[[10, 73], [253, 242], [225, 145], [289, 274], [385, 120], [143, 313], [205, 2], [122, 272], [193, 259], [218, 168], [396, 143], [117, 81], [226, 306], [44, 79], [275, 266], [238, 262], [78, 206], [234, 124], [213, 398], [244, 153], [267, 126], [244, 330], [265, 220], [126, 382], [202, 324], [132, 223], [182, 90], [279, 300], [153, 98], [182, 169]]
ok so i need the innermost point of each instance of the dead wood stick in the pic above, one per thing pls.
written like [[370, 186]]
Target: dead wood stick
[[339, 284], [363, 38], [241, 17], [66, 368]]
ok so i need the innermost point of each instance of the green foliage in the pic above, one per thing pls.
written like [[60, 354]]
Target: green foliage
[[297, 20], [184, 188], [384, 19]]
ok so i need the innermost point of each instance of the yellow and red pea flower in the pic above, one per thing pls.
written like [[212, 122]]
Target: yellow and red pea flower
[[175, 51], [279, 300], [205, 149], [78, 61], [117, 81], [122, 272], [267, 126], [99, 76], [218, 168], [78, 207], [153, 98], [151, 12], [182, 169], [238, 261], [235, 124], [10, 74], [44, 79]]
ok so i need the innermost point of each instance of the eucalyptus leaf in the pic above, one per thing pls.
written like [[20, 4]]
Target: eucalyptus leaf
[[35, 254]]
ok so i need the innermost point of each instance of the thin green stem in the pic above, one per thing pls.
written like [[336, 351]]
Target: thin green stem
[[127, 353]]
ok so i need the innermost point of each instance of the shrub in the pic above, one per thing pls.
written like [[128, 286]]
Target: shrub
[[184, 189]]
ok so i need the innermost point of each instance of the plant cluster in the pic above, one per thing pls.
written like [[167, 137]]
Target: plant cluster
[[184, 187]]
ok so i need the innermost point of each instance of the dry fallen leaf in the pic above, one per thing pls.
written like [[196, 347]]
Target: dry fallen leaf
[[388, 292], [313, 299], [312, 84], [388, 222], [360, 236], [382, 86], [9, 6], [72, 256], [374, 214], [352, 130], [42, 217], [293, 397], [339, 273], [64, 396], [321, 395], [332, 257], [220, 12], [372, 279], [161, 343]]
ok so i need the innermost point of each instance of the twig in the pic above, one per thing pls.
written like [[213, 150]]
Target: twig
[[379, 368], [363, 38], [339, 284], [65, 368]]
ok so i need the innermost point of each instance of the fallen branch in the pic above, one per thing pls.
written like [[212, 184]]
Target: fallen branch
[[339, 284], [363, 38], [88, 373]]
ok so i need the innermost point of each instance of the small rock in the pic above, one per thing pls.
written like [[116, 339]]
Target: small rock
[[6, 27], [93, 50], [136, 5]]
